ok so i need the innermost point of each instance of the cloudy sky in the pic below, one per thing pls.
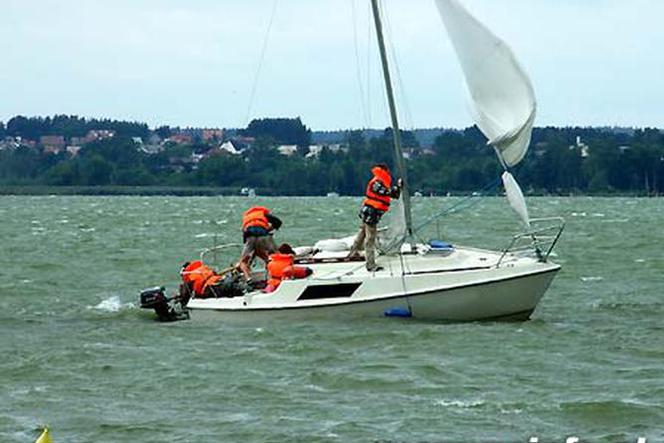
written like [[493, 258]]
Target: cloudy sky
[[193, 63]]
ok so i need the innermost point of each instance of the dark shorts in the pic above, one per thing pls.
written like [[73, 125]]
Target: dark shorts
[[369, 215], [254, 231]]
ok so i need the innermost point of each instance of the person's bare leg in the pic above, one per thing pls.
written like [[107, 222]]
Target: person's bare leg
[[244, 267], [358, 244], [263, 256], [370, 246], [248, 254]]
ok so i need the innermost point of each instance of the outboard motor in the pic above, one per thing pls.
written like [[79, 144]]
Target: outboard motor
[[167, 309]]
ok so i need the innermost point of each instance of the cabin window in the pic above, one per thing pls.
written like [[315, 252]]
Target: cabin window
[[329, 291]]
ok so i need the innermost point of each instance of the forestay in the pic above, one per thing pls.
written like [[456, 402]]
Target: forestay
[[504, 104]]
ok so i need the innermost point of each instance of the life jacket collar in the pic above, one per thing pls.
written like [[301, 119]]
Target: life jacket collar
[[382, 175]]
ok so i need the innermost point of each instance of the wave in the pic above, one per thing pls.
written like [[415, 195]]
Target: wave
[[463, 404], [112, 304], [626, 410]]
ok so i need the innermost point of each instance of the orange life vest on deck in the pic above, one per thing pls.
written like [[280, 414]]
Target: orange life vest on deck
[[188, 273], [280, 267], [256, 217], [199, 276], [377, 201]]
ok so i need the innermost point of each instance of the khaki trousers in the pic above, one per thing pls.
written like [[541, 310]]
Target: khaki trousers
[[366, 237]]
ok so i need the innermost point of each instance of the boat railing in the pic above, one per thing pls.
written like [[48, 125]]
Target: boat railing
[[539, 241], [209, 255]]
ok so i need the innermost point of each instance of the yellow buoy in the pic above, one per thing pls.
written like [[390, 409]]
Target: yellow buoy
[[45, 437]]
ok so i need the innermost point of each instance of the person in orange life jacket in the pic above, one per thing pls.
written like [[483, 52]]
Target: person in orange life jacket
[[258, 224], [199, 278], [281, 267], [378, 195]]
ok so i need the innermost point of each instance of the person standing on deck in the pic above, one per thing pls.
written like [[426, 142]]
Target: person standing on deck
[[379, 194], [258, 224]]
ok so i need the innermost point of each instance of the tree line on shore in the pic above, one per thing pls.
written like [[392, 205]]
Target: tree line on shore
[[560, 161]]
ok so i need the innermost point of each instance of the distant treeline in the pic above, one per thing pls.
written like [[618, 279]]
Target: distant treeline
[[560, 161], [68, 126]]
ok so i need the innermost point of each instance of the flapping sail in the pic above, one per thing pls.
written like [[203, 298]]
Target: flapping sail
[[502, 95], [515, 197]]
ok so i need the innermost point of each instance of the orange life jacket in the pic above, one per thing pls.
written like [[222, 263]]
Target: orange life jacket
[[280, 267], [211, 281], [188, 272], [199, 276], [255, 217], [377, 201]]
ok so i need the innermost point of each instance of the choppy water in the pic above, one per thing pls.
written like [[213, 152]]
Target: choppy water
[[77, 355]]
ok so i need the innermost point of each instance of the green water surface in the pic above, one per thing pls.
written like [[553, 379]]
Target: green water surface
[[77, 354]]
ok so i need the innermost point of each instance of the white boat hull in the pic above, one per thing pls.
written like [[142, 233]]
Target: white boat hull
[[466, 286]]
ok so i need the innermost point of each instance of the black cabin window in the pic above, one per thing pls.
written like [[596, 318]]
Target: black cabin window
[[329, 291]]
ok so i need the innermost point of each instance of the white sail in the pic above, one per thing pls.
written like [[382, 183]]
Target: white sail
[[515, 197], [502, 95]]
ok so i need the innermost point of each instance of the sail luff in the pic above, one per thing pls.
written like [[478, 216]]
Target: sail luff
[[396, 133]]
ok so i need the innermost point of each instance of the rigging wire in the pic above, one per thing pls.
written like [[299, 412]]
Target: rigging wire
[[259, 68], [464, 204], [403, 283], [369, 53], [358, 69], [401, 90], [375, 55]]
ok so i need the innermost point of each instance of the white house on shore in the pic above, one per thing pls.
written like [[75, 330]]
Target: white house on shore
[[287, 150], [229, 147], [314, 151]]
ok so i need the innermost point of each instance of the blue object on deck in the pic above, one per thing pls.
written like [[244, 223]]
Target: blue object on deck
[[398, 312], [439, 245]]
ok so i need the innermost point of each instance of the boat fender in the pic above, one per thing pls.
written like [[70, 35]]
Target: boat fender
[[439, 245], [398, 312], [331, 245]]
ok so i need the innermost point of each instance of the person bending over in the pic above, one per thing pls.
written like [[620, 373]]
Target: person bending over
[[258, 225]]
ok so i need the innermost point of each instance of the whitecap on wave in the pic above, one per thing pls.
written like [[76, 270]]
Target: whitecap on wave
[[591, 279], [112, 304], [459, 403]]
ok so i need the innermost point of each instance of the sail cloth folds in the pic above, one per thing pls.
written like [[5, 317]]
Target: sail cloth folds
[[515, 197], [504, 104]]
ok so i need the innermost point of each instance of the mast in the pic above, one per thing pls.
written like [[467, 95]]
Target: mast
[[398, 152]]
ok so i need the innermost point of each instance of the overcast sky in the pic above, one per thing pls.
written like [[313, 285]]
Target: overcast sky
[[193, 63]]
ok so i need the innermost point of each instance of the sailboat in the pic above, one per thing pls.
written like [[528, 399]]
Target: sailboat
[[430, 281]]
